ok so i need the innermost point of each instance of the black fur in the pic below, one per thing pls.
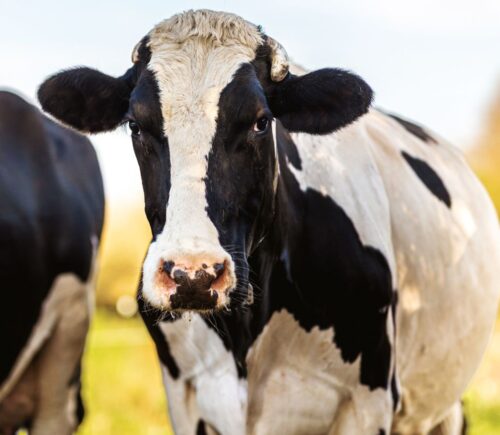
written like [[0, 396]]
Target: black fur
[[200, 428], [287, 145], [241, 211], [86, 99], [76, 381], [415, 129], [52, 204], [80, 408], [429, 177], [319, 102], [90, 101], [151, 317], [396, 394], [151, 149]]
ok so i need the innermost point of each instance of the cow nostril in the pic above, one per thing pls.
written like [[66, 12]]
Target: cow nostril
[[218, 269], [180, 276], [168, 266]]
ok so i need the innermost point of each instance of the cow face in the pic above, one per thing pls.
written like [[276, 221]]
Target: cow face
[[200, 102]]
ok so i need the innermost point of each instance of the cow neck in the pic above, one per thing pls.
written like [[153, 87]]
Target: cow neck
[[283, 229]]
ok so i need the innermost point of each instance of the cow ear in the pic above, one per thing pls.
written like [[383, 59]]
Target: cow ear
[[86, 99], [319, 102]]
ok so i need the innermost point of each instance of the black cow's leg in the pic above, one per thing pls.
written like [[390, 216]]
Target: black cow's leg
[[59, 356]]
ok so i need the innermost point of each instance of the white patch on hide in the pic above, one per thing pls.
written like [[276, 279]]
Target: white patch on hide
[[210, 369], [447, 270], [331, 164], [297, 380]]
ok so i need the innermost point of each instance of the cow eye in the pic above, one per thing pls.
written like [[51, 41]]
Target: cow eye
[[261, 125], [134, 128]]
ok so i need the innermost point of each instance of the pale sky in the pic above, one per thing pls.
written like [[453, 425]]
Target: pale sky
[[433, 61]]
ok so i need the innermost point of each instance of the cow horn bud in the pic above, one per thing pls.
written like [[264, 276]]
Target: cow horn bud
[[135, 52], [279, 60]]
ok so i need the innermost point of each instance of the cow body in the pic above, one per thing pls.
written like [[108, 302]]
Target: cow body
[[316, 267], [52, 213], [297, 379]]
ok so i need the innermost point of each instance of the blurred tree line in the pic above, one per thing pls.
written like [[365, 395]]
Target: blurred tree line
[[485, 156]]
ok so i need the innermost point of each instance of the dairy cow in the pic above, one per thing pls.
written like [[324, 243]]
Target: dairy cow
[[317, 266], [51, 217]]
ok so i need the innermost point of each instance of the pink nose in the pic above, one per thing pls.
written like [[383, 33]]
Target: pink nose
[[195, 285]]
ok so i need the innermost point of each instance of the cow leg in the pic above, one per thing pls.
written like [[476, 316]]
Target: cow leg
[[453, 424], [365, 412], [57, 393], [182, 406], [346, 421], [18, 407]]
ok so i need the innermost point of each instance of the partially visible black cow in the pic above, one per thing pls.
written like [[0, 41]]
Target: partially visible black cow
[[52, 205]]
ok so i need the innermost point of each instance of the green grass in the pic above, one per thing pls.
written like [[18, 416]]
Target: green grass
[[122, 386], [482, 401], [483, 416], [123, 391]]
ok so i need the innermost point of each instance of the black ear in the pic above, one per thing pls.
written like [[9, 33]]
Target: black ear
[[319, 102], [86, 99]]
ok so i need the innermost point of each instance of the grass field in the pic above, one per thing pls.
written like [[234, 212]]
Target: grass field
[[124, 396], [122, 389]]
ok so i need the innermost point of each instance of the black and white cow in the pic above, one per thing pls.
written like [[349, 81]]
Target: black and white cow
[[371, 247], [52, 205]]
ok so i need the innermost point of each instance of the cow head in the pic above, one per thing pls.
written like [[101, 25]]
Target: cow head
[[200, 100]]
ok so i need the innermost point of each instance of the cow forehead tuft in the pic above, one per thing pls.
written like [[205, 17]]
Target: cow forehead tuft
[[218, 27], [194, 55]]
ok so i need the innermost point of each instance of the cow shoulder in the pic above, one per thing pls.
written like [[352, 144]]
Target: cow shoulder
[[336, 268]]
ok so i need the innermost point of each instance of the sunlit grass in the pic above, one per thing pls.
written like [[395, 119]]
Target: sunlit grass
[[482, 401], [483, 416], [123, 390]]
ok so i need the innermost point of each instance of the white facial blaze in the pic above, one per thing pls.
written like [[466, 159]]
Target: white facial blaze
[[191, 70]]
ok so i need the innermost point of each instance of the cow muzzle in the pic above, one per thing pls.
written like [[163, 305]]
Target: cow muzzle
[[195, 283]]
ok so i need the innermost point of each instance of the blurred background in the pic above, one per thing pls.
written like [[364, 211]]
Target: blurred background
[[436, 62]]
